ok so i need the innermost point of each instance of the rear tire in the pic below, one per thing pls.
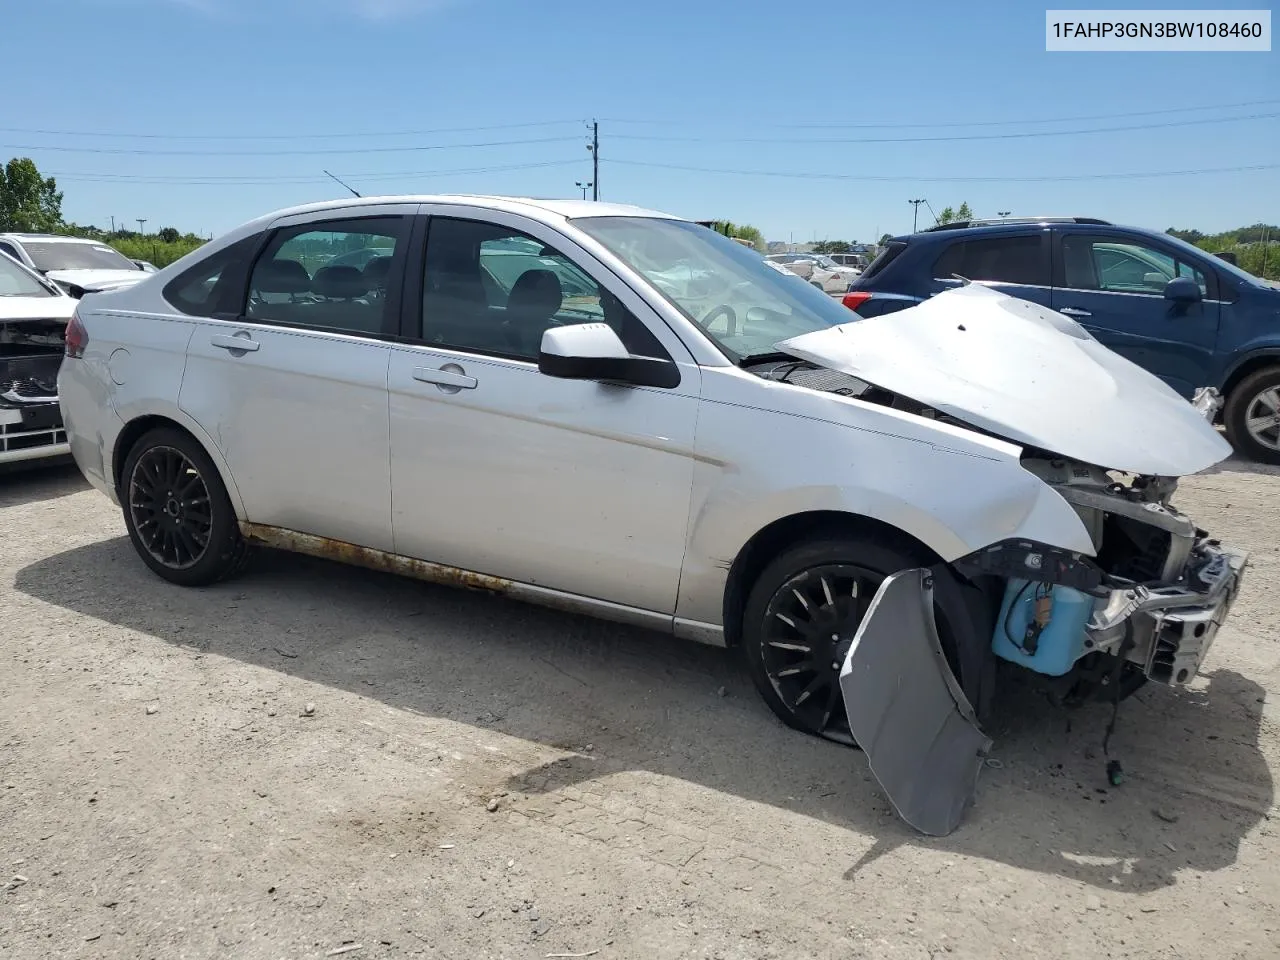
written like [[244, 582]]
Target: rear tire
[[177, 511], [811, 585], [1255, 398]]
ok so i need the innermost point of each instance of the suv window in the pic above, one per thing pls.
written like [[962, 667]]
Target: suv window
[[999, 259], [1118, 266], [332, 275], [11, 251], [492, 289], [215, 285]]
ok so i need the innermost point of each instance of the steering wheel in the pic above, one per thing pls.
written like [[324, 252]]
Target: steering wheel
[[728, 311]]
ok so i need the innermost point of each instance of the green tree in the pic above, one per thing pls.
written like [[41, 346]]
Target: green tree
[[885, 239], [29, 202], [169, 235], [949, 215], [743, 231]]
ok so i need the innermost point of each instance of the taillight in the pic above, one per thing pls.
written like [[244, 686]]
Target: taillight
[[77, 336], [856, 298]]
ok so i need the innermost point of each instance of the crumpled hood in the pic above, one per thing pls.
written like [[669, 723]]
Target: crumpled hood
[[1025, 373], [97, 278], [36, 308]]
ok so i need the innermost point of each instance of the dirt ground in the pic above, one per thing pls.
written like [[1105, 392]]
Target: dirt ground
[[477, 778]]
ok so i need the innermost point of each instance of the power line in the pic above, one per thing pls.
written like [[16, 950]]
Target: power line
[[287, 153], [950, 138], [285, 136], [872, 125], [249, 180], [1142, 175]]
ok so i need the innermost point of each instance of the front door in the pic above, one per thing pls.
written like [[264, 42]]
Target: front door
[[574, 485], [294, 389], [1114, 288]]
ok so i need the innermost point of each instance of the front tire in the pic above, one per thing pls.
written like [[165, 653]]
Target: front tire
[[177, 511], [804, 609], [1252, 416]]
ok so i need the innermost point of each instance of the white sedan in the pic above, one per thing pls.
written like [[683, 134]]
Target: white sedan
[[644, 423]]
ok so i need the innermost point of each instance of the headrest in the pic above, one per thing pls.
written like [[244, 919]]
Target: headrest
[[537, 293], [281, 276], [339, 282], [376, 270]]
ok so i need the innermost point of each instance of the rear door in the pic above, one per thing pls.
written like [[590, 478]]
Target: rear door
[[1113, 285], [293, 386], [1014, 263]]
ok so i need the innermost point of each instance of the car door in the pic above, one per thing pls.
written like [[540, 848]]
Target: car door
[[578, 486], [1113, 285], [1014, 263], [293, 386]]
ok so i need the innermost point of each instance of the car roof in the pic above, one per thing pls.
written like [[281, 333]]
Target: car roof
[[946, 233], [52, 238], [561, 209]]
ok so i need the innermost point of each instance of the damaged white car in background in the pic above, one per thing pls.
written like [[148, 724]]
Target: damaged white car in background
[[649, 424]]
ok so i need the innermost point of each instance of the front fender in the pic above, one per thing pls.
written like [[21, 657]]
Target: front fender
[[952, 500]]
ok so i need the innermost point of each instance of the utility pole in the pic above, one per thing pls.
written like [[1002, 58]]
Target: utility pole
[[915, 213], [594, 149], [113, 223], [142, 222]]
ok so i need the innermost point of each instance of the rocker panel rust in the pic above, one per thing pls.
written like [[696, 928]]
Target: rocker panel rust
[[343, 552]]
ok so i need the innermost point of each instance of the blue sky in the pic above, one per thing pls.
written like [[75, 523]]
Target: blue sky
[[363, 81]]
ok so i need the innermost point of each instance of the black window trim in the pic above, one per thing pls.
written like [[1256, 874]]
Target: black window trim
[[414, 305], [1217, 292], [393, 311], [1039, 234]]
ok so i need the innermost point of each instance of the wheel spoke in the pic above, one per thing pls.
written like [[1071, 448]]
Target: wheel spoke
[[832, 699], [826, 592], [1270, 399], [787, 620], [798, 647], [804, 601], [816, 684], [804, 666]]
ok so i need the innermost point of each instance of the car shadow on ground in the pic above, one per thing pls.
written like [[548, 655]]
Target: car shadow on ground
[[648, 703], [31, 482]]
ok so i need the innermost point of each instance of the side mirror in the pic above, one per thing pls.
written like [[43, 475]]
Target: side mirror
[[593, 351], [1182, 290]]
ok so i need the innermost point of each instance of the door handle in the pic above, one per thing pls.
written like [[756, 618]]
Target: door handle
[[450, 377], [1075, 312], [243, 344]]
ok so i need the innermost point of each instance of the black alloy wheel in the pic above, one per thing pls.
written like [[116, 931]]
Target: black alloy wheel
[[169, 505]]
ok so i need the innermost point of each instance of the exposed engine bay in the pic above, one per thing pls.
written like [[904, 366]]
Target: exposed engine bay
[[30, 419], [1146, 606]]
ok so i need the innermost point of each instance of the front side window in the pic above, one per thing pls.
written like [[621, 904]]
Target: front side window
[[722, 287], [17, 282], [52, 255], [1116, 266], [492, 289], [330, 276], [1000, 259]]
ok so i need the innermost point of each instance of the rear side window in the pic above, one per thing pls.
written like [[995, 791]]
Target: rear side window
[[331, 275], [1020, 260], [215, 285], [889, 254]]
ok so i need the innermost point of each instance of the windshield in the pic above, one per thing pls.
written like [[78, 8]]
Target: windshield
[[723, 287], [16, 282], [826, 262], [77, 256]]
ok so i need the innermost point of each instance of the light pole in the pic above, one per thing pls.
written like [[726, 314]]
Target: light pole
[[142, 222], [1003, 213], [584, 187], [915, 213]]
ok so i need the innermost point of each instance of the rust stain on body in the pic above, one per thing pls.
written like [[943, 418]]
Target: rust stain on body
[[343, 552]]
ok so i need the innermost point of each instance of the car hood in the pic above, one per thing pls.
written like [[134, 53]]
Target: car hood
[[95, 278], [36, 308], [1025, 373]]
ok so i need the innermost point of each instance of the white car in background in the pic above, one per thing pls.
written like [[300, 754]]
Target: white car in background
[[33, 322], [828, 276], [76, 264]]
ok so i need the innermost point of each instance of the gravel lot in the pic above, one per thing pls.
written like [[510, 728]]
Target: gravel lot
[[483, 779]]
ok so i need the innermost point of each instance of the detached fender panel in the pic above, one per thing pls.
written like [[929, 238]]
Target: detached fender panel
[[906, 710]]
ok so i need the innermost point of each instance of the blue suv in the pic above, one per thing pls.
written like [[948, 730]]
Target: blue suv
[[1192, 319]]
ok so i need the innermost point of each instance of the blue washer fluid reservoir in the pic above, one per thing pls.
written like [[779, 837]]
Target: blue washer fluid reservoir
[[1061, 642]]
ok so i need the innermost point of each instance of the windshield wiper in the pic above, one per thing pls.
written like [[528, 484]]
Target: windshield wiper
[[771, 356]]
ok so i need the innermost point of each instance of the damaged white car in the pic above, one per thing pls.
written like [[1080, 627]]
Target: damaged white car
[[873, 511]]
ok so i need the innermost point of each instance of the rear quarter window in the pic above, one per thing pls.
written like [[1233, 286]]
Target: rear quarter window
[[216, 284], [890, 253]]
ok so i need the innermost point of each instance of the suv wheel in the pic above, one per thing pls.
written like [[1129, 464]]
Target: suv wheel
[[1252, 416], [177, 511]]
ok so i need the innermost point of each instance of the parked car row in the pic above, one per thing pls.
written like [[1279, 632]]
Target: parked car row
[[820, 270], [76, 264]]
